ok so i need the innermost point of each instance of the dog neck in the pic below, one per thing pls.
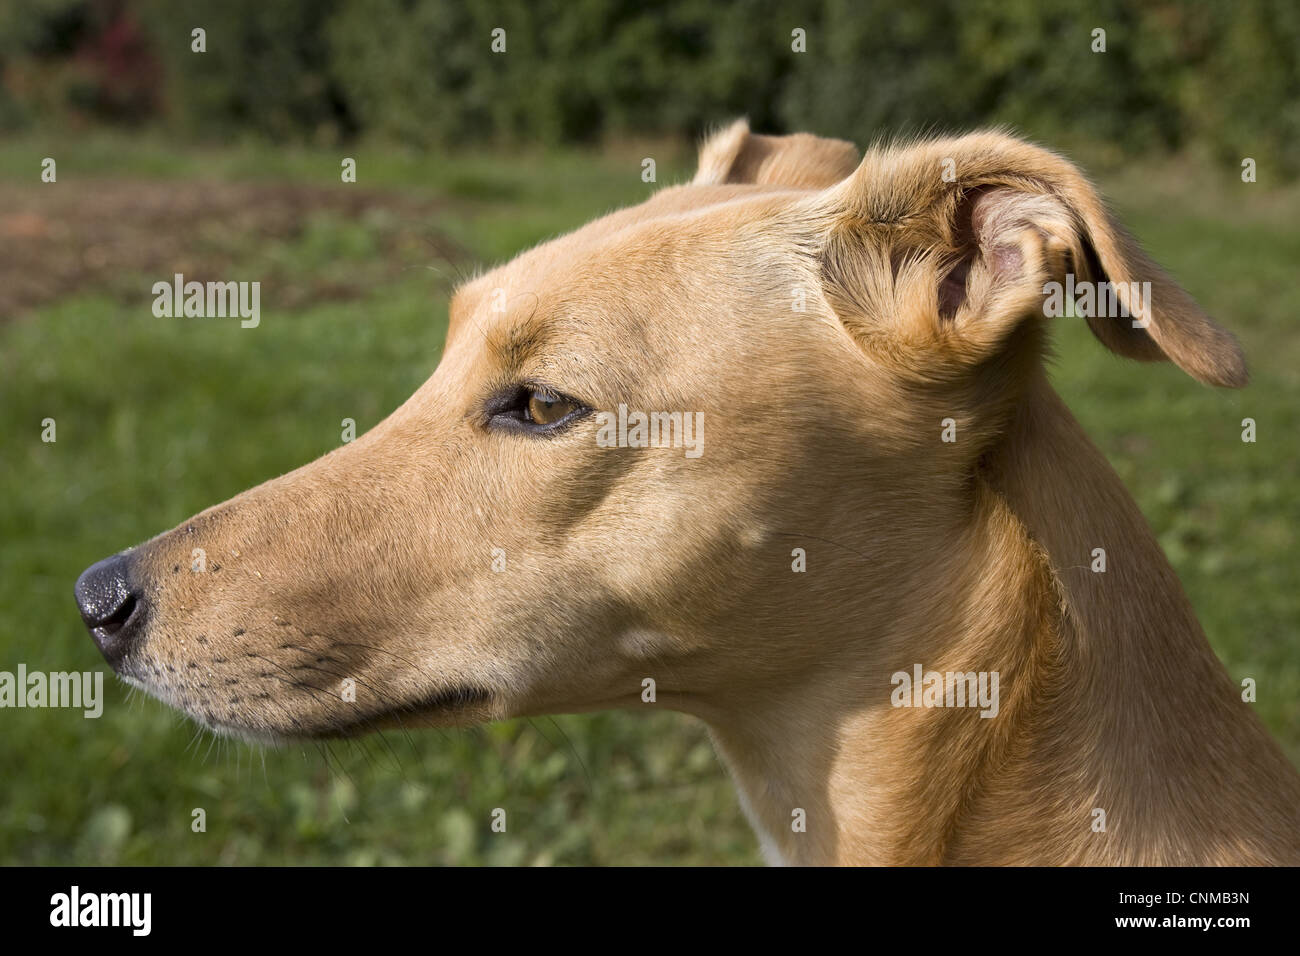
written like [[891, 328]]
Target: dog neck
[[1119, 737]]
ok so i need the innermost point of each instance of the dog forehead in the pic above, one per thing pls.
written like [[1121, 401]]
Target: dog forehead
[[683, 240]]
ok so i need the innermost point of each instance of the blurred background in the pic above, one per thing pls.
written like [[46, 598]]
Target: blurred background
[[225, 164]]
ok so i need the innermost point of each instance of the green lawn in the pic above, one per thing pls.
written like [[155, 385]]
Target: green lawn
[[158, 419]]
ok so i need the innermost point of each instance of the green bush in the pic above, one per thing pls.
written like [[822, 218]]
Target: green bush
[[1220, 77], [265, 69]]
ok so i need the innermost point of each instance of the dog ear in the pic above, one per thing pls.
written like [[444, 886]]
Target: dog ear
[[735, 155], [968, 234]]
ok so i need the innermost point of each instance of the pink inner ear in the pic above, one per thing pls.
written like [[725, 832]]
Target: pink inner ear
[[994, 211], [1007, 259], [987, 219]]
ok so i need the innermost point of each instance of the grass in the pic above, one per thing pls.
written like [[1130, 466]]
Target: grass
[[157, 419]]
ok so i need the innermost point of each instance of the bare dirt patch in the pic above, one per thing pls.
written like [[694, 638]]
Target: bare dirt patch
[[120, 236]]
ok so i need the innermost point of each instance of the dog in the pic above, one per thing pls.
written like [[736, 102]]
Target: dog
[[884, 491]]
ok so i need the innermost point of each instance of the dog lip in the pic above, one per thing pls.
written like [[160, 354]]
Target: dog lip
[[444, 701], [455, 697]]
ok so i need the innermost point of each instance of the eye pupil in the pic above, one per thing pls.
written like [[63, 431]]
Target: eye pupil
[[545, 408]]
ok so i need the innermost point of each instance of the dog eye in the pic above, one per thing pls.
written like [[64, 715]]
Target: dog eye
[[533, 408], [547, 408]]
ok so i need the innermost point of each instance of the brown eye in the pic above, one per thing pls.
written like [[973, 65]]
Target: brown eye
[[546, 408]]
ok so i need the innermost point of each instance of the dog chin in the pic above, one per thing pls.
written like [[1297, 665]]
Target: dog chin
[[458, 706], [247, 735], [252, 735]]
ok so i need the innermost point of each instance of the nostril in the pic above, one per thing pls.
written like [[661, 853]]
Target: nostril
[[117, 620], [110, 604]]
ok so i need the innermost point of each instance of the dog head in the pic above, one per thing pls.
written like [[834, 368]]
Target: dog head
[[635, 435]]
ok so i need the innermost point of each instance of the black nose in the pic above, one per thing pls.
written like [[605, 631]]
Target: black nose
[[110, 605]]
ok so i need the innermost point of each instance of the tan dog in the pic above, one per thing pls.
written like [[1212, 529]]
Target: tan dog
[[859, 347]]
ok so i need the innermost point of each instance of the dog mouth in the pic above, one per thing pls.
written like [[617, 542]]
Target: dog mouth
[[440, 706], [457, 704], [452, 705]]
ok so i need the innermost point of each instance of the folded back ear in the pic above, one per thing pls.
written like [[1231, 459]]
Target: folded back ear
[[735, 155], [962, 240]]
